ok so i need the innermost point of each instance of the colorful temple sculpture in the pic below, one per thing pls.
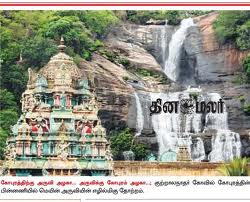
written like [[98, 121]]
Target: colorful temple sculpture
[[58, 132]]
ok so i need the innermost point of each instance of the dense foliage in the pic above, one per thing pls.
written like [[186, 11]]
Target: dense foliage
[[173, 17], [234, 26], [30, 38], [123, 141], [246, 67], [8, 116]]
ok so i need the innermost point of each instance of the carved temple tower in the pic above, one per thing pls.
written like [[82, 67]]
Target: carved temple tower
[[58, 132]]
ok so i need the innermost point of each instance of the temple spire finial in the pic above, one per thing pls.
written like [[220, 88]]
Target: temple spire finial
[[62, 47]]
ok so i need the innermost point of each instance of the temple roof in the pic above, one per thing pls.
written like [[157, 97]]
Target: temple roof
[[60, 74], [61, 62]]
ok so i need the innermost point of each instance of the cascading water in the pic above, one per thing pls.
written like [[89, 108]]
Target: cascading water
[[215, 120], [171, 65], [166, 126], [226, 144], [198, 150], [160, 37], [189, 130], [177, 129], [163, 42], [139, 115], [129, 155]]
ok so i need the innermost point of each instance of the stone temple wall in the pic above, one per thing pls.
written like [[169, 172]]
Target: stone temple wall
[[145, 168]]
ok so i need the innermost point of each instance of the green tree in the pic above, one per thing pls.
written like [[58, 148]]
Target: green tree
[[37, 51], [76, 35], [3, 138], [7, 118], [246, 67], [122, 141], [173, 17], [10, 49], [141, 17], [7, 100], [99, 22], [35, 35], [233, 26], [14, 79], [243, 39]]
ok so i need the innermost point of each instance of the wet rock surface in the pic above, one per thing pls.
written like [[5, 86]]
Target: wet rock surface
[[204, 63]]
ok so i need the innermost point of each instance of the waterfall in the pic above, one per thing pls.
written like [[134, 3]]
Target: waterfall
[[178, 129], [139, 115], [198, 150], [226, 144], [160, 38], [129, 155], [174, 129], [216, 120], [171, 66], [163, 42], [166, 126]]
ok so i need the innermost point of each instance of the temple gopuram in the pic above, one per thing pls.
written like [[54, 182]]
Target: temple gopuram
[[59, 132]]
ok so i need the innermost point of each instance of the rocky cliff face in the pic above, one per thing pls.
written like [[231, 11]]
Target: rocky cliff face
[[216, 68], [113, 94], [204, 62]]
